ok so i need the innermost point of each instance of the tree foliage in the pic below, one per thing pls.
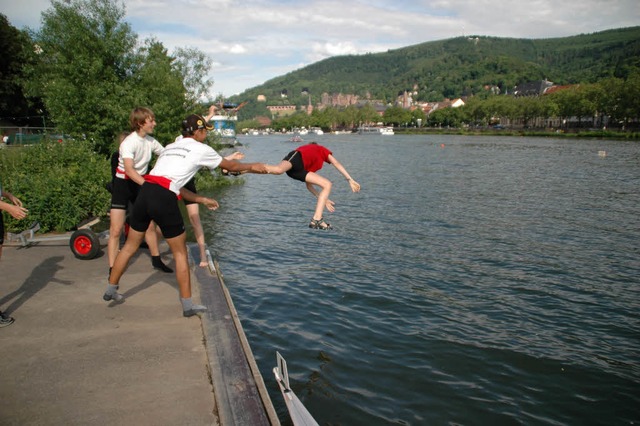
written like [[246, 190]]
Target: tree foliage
[[84, 67], [159, 85], [462, 66], [91, 71], [14, 54], [193, 65]]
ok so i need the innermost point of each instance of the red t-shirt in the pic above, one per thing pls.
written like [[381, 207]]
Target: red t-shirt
[[313, 156]]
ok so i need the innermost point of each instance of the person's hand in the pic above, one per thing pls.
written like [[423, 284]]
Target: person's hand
[[330, 205], [235, 156], [260, 168], [203, 264], [14, 200], [17, 212], [210, 203], [355, 186]]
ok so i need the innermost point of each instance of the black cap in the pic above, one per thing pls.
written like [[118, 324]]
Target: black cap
[[195, 122]]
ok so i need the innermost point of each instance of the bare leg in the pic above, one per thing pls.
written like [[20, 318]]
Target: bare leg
[[178, 247], [193, 210], [122, 259], [117, 218], [151, 237], [325, 185]]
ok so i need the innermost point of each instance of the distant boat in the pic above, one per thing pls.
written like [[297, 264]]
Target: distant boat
[[316, 130], [296, 138], [376, 130], [224, 123]]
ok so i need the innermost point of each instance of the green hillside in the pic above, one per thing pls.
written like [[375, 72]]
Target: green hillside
[[458, 67]]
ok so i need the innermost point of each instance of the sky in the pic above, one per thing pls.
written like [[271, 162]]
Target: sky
[[252, 41]]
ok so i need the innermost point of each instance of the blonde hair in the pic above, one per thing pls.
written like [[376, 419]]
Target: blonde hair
[[139, 116]]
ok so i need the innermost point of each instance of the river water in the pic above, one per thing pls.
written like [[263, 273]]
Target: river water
[[472, 281]]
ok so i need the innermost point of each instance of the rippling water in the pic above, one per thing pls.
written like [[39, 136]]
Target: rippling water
[[473, 280]]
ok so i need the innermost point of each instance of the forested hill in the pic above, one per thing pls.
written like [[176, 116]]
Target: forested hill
[[461, 66]]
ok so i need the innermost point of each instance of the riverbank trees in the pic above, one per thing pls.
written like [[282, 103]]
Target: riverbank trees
[[613, 103], [89, 70]]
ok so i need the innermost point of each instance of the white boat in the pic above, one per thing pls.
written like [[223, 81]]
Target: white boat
[[224, 123], [300, 416], [316, 131], [376, 130]]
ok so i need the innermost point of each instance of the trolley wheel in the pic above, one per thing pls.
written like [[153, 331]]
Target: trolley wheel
[[85, 244]]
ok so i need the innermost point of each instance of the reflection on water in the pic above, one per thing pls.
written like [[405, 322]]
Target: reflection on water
[[471, 281]]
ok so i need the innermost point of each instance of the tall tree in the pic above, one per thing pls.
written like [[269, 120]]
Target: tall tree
[[194, 66], [91, 72], [84, 67], [159, 85], [15, 46]]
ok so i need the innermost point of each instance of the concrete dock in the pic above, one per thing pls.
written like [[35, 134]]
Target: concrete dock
[[73, 359]]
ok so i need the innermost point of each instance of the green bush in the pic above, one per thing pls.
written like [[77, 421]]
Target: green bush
[[61, 184]]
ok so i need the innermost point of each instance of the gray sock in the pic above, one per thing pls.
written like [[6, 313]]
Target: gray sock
[[112, 294], [112, 289], [187, 303]]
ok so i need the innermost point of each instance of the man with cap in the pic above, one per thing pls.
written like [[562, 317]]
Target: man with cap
[[158, 201]]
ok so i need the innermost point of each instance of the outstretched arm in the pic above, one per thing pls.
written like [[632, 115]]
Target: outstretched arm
[[355, 186], [236, 166], [212, 112]]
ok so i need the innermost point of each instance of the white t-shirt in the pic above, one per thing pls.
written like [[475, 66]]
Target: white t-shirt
[[140, 150], [181, 160]]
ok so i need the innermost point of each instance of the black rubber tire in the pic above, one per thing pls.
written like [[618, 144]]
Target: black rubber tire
[[85, 244]]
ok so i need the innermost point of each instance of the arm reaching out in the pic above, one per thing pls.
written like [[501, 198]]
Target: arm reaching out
[[212, 112], [236, 166], [355, 186]]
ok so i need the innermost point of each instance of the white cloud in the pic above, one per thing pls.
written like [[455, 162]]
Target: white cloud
[[253, 41]]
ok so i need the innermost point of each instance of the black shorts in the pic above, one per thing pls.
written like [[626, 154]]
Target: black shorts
[[297, 170], [191, 186], [160, 205], [124, 191]]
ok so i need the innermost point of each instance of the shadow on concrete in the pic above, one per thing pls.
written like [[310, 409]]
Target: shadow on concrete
[[40, 277]]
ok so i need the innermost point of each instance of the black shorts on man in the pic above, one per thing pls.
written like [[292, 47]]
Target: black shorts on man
[[158, 204], [124, 191]]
